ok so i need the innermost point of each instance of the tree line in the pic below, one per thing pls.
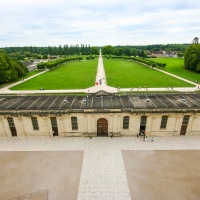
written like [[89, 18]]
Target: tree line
[[65, 50], [144, 61], [142, 49], [55, 63], [19, 53]]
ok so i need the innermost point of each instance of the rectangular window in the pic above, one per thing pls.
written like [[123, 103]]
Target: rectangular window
[[53, 122], [11, 122], [35, 123], [143, 121], [163, 124], [126, 122], [185, 120], [74, 123]]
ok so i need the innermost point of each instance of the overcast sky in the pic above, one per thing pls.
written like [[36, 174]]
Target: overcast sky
[[102, 22]]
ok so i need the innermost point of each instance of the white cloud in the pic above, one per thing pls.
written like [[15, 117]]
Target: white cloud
[[115, 22]]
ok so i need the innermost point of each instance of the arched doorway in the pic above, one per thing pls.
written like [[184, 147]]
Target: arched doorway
[[102, 127]]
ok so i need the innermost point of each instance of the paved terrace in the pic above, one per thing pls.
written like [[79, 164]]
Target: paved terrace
[[103, 175]]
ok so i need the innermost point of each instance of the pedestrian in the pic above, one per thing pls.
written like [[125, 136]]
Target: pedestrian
[[144, 134], [145, 139]]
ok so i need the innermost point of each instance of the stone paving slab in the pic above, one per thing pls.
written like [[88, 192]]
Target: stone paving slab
[[163, 175], [25, 172]]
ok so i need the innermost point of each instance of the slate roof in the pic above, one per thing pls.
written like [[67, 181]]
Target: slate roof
[[108, 103]]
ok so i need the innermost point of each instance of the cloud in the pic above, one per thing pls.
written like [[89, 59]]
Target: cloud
[[115, 22]]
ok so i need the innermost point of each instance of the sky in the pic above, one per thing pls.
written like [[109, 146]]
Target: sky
[[98, 23]]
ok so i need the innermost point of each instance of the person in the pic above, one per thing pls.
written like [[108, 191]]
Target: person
[[144, 134], [145, 139]]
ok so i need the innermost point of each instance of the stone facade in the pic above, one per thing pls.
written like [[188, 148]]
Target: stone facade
[[87, 124], [102, 114]]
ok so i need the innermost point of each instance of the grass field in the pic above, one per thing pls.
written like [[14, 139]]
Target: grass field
[[127, 74], [23, 77], [176, 66], [77, 75]]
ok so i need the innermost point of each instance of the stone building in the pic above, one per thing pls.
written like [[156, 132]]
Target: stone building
[[100, 114]]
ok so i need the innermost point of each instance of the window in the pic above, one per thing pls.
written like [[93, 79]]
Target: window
[[185, 120], [11, 122], [143, 121], [74, 123], [126, 122], [35, 123], [53, 122], [163, 124]]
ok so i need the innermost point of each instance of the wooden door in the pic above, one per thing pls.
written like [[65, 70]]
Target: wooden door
[[183, 129], [102, 127]]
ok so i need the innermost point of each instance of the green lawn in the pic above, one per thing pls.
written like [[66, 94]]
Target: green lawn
[[77, 75], [128, 74], [23, 77], [176, 66]]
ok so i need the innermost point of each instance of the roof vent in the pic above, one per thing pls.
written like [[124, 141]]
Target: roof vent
[[65, 101]]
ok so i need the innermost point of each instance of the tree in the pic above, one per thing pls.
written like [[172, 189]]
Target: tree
[[95, 50], [108, 49], [192, 57], [10, 70]]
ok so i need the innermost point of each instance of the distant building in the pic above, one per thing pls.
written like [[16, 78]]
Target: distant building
[[101, 114], [162, 54], [30, 65]]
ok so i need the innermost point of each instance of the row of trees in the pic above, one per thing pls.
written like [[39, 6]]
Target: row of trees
[[144, 61], [122, 51], [20, 53], [10, 70], [192, 56], [142, 49], [55, 63], [52, 50]]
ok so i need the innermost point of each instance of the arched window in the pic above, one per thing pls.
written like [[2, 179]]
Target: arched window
[[74, 123], [126, 122]]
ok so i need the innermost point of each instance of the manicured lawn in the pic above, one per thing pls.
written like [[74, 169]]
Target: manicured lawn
[[23, 77], [176, 66], [128, 74], [77, 75]]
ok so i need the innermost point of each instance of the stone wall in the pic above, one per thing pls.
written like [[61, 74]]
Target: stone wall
[[87, 124]]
